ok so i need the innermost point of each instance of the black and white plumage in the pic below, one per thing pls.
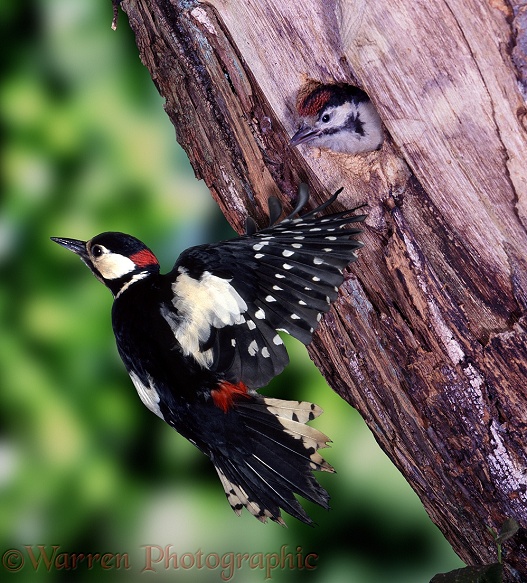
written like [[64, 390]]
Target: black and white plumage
[[198, 341], [340, 118]]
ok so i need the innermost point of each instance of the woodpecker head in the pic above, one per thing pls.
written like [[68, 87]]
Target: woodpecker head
[[116, 259], [337, 117]]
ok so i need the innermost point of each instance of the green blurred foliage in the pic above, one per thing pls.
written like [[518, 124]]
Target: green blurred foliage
[[83, 465]]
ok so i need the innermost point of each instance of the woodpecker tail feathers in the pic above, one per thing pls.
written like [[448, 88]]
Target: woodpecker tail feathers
[[276, 460]]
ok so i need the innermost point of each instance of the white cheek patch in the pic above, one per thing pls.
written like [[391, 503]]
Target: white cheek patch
[[113, 265], [147, 394], [340, 115], [209, 301]]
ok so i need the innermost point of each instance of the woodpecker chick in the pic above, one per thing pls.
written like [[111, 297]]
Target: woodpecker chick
[[198, 341], [340, 118]]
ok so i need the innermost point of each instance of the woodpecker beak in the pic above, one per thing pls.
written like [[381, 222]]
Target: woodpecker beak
[[78, 247], [304, 134]]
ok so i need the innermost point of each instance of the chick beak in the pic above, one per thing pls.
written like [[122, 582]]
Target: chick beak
[[304, 134], [78, 247]]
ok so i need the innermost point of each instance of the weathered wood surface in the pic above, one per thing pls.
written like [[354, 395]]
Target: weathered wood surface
[[428, 337]]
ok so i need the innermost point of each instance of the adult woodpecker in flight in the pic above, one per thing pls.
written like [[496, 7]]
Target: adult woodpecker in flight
[[199, 341], [340, 118]]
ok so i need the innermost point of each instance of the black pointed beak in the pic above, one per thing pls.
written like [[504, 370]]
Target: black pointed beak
[[78, 247], [304, 134]]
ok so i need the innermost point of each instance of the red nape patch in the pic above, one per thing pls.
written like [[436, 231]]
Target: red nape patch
[[312, 103], [144, 258], [226, 393]]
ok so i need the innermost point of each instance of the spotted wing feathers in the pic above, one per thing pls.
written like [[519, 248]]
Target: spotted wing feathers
[[280, 454], [282, 278]]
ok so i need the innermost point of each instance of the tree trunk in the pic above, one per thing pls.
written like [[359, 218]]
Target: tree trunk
[[427, 339]]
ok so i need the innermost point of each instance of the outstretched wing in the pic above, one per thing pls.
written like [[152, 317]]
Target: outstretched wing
[[230, 299]]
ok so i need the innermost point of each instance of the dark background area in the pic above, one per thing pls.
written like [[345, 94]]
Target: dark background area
[[83, 465]]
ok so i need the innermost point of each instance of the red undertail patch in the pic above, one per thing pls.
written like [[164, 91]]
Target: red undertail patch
[[226, 393], [144, 258]]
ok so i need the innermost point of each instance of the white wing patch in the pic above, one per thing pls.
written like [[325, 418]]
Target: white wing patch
[[209, 301], [147, 394]]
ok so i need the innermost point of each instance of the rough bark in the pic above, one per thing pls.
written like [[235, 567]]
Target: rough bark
[[427, 339]]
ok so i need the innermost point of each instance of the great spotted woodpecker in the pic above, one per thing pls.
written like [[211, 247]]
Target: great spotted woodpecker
[[198, 341], [340, 118]]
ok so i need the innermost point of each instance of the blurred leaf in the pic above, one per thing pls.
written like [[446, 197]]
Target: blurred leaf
[[486, 574]]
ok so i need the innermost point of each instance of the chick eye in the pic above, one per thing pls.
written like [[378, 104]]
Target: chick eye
[[97, 250], [325, 118]]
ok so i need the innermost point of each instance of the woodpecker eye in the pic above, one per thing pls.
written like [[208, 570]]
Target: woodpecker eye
[[325, 118], [97, 250]]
